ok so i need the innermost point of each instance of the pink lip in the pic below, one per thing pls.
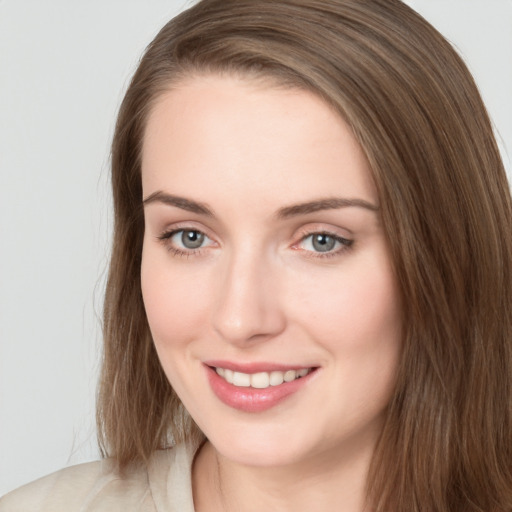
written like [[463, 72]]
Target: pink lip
[[248, 399]]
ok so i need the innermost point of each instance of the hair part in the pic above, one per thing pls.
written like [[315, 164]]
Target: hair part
[[445, 204]]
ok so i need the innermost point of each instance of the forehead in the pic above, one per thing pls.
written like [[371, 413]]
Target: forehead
[[251, 136]]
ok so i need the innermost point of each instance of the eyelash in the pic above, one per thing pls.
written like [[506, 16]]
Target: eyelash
[[346, 244], [166, 236]]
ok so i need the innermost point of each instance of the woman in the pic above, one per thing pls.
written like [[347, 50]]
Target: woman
[[310, 284]]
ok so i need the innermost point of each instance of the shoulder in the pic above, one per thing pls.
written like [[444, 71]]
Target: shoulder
[[165, 485], [93, 486], [68, 485]]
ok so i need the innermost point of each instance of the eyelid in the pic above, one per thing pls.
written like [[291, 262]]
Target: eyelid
[[185, 225], [322, 227], [165, 237], [342, 240], [307, 231]]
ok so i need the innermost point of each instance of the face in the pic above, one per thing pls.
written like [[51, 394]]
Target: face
[[266, 276]]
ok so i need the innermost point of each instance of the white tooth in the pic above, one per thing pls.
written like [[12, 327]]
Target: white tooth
[[220, 371], [276, 378], [228, 375], [290, 375], [260, 380], [303, 372], [241, 379]]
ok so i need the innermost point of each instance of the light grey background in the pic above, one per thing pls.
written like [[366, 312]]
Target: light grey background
[[63, 68]]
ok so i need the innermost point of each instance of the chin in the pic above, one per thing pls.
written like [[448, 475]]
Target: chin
[[260, 454], [274, 443], [263, 445]]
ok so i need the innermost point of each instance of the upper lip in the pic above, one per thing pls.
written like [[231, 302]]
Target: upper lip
[[255, 367]]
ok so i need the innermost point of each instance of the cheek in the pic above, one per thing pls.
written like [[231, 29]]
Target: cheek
[[356, 317], [357, 308], [175, 305], [360, 327]]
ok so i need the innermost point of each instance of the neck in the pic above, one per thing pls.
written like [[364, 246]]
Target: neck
[[329, 481]]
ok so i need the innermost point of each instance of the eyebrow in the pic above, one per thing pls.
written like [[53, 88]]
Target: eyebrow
[[332, 203], [178, 202]]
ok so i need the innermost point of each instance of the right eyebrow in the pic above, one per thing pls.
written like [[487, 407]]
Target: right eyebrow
[[332, 203], [179, 202]]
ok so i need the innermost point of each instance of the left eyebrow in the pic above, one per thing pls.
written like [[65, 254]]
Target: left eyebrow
[[179, 202], [332, 203]]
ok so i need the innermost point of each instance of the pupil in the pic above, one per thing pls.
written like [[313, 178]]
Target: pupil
[[192, 239], [323, 243]]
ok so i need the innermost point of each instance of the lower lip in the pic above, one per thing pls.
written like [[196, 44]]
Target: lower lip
[[249, 399]]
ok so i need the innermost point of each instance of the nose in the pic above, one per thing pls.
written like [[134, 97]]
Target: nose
[[248, 309]]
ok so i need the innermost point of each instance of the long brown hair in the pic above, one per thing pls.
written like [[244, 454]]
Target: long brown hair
[[446, 209]]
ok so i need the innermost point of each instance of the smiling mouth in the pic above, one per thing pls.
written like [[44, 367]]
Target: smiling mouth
[[260, 380]]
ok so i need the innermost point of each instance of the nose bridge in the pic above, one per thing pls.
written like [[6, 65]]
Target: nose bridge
[[247, 307]]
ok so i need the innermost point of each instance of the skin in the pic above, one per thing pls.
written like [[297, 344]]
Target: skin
[[259, 290]]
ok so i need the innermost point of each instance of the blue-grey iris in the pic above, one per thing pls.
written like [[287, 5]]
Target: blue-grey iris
[[192, 239], [323, 243]]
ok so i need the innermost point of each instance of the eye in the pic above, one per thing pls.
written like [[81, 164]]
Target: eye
[[185, 241], [190, 239], [324, 243]]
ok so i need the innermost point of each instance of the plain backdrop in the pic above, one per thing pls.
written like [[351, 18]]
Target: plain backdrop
[[63, 69]]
